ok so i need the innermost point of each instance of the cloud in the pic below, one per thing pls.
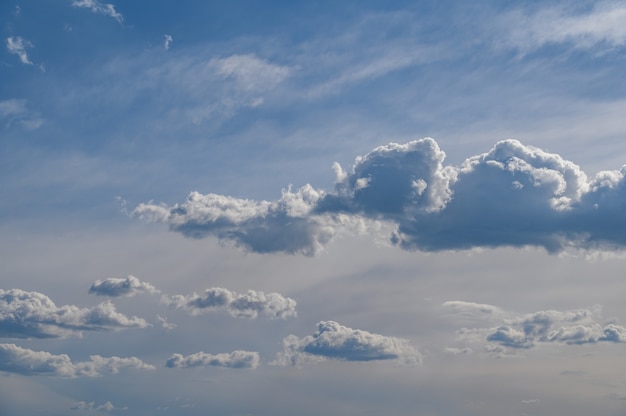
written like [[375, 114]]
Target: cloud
[[115, 287], [17, 46], [95, 6], [167, 42], [26, 362], [514, 195], [235, 359], [34, 315], [601, 26], [15, 111], [575, 327], [249, 72], [106, 406], [248, 305], [335, 341]]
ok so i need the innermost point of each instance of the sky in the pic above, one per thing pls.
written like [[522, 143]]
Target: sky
[[344, 208]]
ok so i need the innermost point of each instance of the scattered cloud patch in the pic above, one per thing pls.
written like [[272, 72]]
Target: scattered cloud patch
[[518, 332], [105, 407], [17, 46], [115, 287], [512, 196], [34, 315], [95, 6], [335, 341], [26, 362], [15, 112], [235, 359], [167, 42], [251, 304]]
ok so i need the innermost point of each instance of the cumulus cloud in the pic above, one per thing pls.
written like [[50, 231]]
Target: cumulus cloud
[[17, 46], [600, 26], [513, 195], [575, 327], [335, 341], [105, 407], [251, 304], [23, 361], [95, 6], [34, 315], [235, 359], [114, 287]]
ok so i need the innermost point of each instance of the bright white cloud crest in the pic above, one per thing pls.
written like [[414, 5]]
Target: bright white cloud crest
[[115, 287], [17, 46]]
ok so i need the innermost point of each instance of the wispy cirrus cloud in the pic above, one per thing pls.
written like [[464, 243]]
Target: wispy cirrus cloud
[[95, 6], [17, 46], [513, 195], [27, 362], [15, 111], [34, 315], [236, 359], [334, 341]]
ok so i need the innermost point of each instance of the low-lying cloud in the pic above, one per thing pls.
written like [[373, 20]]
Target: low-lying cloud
[[235, 359], [335, 341], [514, 195], [115, 287], [34, 315], [26, 362], [251, 304]]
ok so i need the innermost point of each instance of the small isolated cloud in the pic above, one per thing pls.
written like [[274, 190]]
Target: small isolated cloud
[[17, 46], [249, 72], [115, 287], [167, 42], [575, 327], [105, 407], [335, 341], [600, 26], [26, 362], [34, 315], [15, 112], [512, 196], [165, 324], [235, 359], [95, 6], [251, 304]]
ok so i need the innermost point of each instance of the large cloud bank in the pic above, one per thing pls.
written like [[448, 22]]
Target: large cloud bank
[[513, 195], [15, 359], [335, 341], [34, 315]]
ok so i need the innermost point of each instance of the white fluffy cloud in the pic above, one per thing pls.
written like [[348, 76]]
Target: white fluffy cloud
[[235, 359], [34, 315], [251, 304], [514, 195], [15, 359], [575, 327], [114, 287], [335, 341], [105, 407], [17, 46], [95, 6]]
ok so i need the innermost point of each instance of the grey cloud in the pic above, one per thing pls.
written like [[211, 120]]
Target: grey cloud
[[95, 6], [34, 315], [576, 327], [335, 341], [235, 359], [115, 287], [514, 195], [251, 304], [106, 406], [23, 361]]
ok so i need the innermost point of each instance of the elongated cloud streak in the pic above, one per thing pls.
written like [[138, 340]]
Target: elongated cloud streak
[[17, 46], [114, 287], [95, 6], [15, 359], [247, 305], [513, 195], [235, 359], [34, 315], [335, 341]]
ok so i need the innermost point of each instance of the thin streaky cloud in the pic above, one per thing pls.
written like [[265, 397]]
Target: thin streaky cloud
[[95, 6], [236, 359]]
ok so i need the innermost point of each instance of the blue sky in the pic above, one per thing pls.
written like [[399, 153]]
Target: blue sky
[[276, 208]]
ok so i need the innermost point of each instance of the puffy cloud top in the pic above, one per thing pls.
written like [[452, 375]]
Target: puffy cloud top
[[115, 287], [34, 315], [513, 195], [251, 304], [335, 341], [235, 359]]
